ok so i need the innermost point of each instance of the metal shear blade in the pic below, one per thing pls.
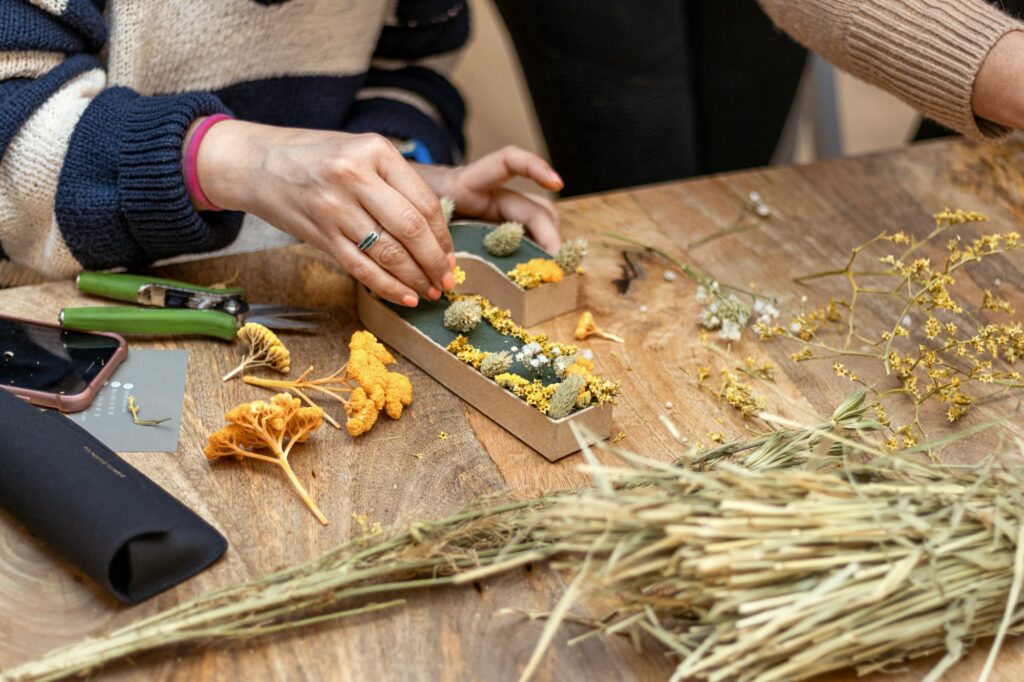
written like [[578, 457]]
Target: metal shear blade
[[281, 317]]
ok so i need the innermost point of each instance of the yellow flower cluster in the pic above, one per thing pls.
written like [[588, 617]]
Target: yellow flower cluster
[[535, 272], [740, 395], [465, 351], [535, 393], [265, 349], [935, 360], [378, 389]]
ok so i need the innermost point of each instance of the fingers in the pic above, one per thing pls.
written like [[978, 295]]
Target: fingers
[[541, 221], [364, 270], [387, 252], [398, 173], [406, 224], [499, 167]]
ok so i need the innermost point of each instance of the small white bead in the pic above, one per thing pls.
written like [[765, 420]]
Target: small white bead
[[670, 276], [668, 405], [643, 308]]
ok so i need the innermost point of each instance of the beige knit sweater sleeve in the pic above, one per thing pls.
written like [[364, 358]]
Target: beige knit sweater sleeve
[[926, 52]]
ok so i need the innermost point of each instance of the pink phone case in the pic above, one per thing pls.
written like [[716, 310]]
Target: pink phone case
[[78, 401]]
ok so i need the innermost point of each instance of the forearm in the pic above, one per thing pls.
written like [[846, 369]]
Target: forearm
[[929, 54], [998, 94]]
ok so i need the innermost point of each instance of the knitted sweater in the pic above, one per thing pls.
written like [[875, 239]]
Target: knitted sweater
[[926, 52], [96, 97]]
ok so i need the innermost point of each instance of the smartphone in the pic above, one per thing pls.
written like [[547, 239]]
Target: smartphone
[[53, 367]]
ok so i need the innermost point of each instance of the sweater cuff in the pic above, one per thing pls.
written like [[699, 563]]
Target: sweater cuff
[[929, 53], [154, 201]]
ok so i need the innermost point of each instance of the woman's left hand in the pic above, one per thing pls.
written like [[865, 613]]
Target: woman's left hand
[[479, 191]]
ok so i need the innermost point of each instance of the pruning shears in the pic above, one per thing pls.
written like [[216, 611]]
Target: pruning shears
[[173, 307]]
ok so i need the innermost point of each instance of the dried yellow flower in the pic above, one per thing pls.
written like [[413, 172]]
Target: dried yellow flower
[[268, 431], [587, 327], [535, 272], [265, 350]]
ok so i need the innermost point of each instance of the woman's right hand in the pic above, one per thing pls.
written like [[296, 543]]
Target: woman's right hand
[[331, 189]]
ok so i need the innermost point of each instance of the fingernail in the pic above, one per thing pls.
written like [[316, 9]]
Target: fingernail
[[433, 294], [448, 281], [556, 178], [451, 261], [410, 301]]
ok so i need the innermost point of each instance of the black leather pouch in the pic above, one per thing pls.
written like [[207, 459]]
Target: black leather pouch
[[117, 526]]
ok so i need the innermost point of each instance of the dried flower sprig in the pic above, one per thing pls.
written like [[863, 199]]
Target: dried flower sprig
[[753, 206], [587, 327], [265, 349], [565, 396], [462, 316], [715, 291], [571, 254], [268, 431], [494, 364], [447, 208], [504, 239], [133, 409], [954, 358]]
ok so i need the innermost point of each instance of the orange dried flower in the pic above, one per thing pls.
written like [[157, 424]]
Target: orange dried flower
[[398, 394], [535, 272], [268, 431], [362, 413], [587, 327]]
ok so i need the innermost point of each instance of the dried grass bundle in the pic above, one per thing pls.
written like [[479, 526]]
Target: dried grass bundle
[[782, 568], [786, 574]]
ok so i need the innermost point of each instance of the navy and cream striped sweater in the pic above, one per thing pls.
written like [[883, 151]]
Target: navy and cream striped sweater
[[96, 96]]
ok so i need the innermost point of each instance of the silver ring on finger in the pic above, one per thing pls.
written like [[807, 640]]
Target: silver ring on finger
[[368, 241]]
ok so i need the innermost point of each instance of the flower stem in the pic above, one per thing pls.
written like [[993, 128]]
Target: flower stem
[[301, 490]]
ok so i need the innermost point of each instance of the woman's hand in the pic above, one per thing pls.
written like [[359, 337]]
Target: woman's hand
[[330, 190], [479, 191]]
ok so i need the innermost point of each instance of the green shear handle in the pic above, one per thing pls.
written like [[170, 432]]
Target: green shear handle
[[155, 321], [123, 287]]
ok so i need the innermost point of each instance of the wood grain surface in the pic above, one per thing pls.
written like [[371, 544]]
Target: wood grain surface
[[820, 212]]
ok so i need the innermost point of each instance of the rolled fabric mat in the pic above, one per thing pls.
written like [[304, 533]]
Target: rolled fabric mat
[[97, 511]]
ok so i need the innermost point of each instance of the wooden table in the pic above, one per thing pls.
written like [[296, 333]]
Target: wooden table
[[821, 211]]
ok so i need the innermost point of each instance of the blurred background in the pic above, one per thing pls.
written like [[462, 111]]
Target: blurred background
[[500, 110]]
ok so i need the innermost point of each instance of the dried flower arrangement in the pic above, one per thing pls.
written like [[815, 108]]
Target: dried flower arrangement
[[268, 431], [365, 379], [265, 349], [535, 369], [725, 309], [759, 560], [504, 241], [960, 352]]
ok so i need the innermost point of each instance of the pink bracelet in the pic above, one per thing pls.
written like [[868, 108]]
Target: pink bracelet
[[191, 165]]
